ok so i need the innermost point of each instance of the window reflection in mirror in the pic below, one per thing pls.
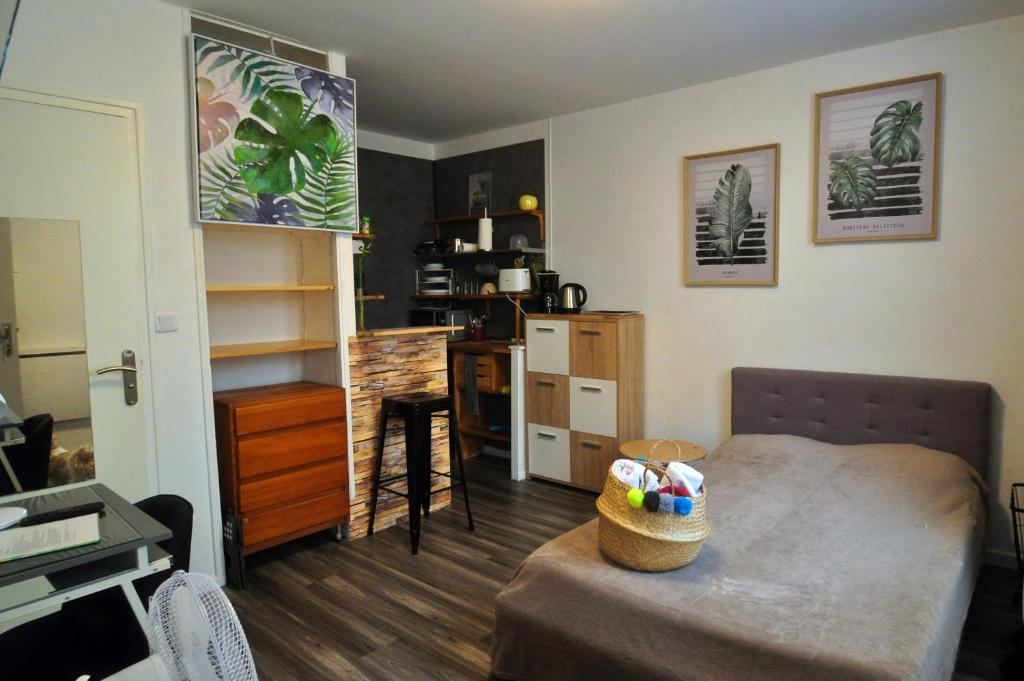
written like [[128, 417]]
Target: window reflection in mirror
[[44, 379]]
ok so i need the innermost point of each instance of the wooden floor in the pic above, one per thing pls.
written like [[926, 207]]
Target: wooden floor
[[316, 610]]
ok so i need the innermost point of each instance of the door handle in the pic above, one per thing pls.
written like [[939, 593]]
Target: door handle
[[592, 445], [546, 329], [128, 375], [590, 332], [590, 388], [7, 338], [546, 436], [550, 384]]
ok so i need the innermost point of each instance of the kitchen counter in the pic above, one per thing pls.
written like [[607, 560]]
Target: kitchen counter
[[402, 331]]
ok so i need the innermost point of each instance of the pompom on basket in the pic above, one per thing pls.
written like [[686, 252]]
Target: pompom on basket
[[646, 541]]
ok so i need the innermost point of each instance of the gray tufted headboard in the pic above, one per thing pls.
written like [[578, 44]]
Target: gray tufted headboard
[[846, 409]]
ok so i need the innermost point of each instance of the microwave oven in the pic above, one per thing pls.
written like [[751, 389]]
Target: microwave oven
[[443, 316]]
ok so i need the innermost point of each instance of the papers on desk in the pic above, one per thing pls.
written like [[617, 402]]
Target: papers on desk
[[21, 542]]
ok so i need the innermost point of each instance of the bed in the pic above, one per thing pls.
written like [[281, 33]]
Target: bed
[[847, 515]]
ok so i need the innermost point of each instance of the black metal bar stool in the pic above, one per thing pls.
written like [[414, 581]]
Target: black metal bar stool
[[418, 410]]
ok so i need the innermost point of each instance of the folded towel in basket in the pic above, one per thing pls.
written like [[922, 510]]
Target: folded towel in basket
[[635, 475], [690, 478]]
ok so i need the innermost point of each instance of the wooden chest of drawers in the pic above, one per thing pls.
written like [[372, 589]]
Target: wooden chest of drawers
[[282, 451], [584, 393]]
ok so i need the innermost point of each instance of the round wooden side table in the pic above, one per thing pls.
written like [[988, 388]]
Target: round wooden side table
[[665, 450]]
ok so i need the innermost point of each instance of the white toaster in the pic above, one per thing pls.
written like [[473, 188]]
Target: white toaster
[[514, 280]]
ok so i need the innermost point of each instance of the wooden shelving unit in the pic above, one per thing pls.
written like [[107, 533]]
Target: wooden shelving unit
[[486, 434], [359, 236], [241, 288], [371, 296], [267, 348], [474, 296], [538, 214]]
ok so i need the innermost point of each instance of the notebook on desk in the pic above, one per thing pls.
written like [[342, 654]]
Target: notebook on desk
[[22, 542]]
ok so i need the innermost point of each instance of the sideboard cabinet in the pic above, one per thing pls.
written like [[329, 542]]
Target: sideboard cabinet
[[584, 393]]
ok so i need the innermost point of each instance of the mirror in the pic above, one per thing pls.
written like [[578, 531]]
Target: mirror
[[44, 376]]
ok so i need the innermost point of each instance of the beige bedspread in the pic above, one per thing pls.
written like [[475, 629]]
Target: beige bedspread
[[824, 562]]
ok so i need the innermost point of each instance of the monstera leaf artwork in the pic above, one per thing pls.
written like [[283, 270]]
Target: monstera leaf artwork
[[286, 142], [731, 213], [852, 183], [216, 119], [894, 136], [275, 142]]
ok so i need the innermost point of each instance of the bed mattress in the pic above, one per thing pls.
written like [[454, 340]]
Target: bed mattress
[[838, 562]]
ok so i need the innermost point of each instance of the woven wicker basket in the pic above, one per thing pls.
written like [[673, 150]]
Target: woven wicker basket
[[642, 540]]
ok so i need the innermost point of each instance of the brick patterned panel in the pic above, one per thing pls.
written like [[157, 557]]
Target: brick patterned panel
[[385, 367]]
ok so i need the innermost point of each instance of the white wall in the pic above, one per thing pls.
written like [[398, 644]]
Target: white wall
[[949, 308], [135, 50]]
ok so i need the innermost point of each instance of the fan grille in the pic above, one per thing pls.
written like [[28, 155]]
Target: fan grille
[[195, 631]]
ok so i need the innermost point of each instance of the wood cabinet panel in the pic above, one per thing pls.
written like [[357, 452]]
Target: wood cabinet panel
[[590, 456], [263, 526], [284, 413], [593, 350], [547, 399], [277, 450], [296, 484]]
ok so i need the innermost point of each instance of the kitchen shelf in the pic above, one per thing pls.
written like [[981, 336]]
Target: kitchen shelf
[[267, 348], [269, 288], [359, 236], [371, 296], [486, 434], [538, 214], [478, 254], [475, 296]]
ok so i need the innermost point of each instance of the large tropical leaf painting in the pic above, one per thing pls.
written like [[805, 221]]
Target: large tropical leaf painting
[[275, 141], [731, 213], [851, 183]]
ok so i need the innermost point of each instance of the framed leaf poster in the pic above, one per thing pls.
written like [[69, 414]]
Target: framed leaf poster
[[274, 141], [876, 161], [730, 217]]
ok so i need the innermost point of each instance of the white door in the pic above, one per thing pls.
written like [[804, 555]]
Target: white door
[[74, 160], [10, 374]]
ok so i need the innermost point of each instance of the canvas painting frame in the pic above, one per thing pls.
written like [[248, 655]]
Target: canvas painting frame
[[294, 172], [711, 184], [860, 197]]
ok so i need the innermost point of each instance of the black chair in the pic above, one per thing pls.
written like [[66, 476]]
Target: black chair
[[31, 459], [97, 634], [418, 410]]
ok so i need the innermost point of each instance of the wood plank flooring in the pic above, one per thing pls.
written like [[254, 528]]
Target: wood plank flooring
[[315, 610]]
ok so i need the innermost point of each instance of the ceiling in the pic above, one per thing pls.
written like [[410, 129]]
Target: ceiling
[[436, 70]]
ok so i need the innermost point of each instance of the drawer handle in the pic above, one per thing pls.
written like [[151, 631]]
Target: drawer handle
[[590, 388], [590, 332], [592, 445], [546, 329], [550, 384], [546, 436]]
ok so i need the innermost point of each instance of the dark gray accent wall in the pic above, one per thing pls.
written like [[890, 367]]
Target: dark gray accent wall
[[397, 192], [516, 169]]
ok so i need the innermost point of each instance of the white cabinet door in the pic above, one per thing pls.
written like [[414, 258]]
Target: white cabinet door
[[549, 452], [547, 346], [592, 406]]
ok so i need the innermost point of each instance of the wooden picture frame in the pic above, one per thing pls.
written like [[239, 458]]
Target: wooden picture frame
[[876, 161], [736, 256]]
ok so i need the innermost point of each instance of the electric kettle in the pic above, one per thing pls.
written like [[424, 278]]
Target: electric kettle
[[571, 298]]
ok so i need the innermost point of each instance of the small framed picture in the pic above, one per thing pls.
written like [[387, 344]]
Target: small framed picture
[[730, 217], [479, 193], [876, 173]]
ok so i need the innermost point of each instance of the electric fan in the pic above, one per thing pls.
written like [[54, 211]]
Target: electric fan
[[194, 635], [195, 631]]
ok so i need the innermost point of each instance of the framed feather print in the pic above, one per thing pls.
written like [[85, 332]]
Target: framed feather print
[[877, 161], [730, 217], [275, 142]]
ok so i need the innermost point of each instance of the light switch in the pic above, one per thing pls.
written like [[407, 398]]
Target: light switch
[[166, 322]]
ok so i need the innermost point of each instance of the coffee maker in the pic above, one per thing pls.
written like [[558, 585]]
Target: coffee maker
[[548, 291]]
